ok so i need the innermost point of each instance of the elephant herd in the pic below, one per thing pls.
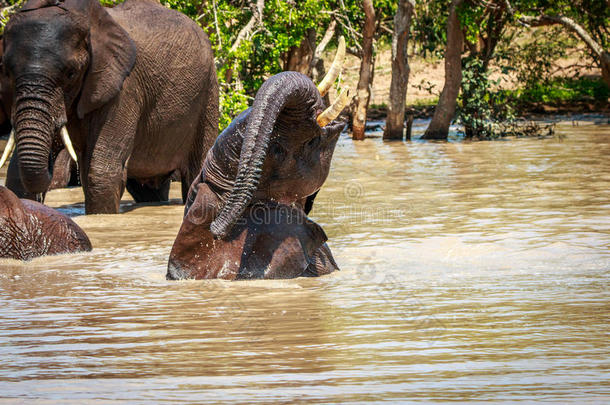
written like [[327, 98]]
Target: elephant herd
[[131, 93]]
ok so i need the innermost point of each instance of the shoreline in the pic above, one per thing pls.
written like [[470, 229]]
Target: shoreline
[[534, 111]]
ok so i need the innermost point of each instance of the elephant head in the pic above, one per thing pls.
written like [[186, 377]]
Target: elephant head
[[288, 143], [61, 58]]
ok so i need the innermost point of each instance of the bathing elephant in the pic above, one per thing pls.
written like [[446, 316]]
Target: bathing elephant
[[135, 85], [29, 229], [246, 213]]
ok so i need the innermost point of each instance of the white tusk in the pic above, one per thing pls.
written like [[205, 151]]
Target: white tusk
[[65, 137], [334, 110], [10, 145], [334, 70]]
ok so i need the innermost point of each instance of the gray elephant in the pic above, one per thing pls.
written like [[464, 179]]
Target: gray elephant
[[29, 229], [64, 168], [246, 216], [135, 85]]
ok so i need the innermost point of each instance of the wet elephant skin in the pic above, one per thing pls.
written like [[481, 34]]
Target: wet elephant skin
[[29, 229]]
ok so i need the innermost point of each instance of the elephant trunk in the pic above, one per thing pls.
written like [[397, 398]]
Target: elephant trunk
[[37, 116], [286, 98]]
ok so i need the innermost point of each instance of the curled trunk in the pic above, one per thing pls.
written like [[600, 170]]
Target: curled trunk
[[286, 97]]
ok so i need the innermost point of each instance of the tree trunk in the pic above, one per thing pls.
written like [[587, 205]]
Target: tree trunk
[[445, 109], [400, 71], [605, 62], [299, 57], [363, 92]]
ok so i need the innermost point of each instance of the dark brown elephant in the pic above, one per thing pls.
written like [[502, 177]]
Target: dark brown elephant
[[135, 85], [29, 229], [246, 213]]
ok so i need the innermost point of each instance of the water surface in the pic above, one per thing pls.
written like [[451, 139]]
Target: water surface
[[470, 271]]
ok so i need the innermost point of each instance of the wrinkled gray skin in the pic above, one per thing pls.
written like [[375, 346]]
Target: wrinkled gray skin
[[64, 169], [29, 229], [135, 84], [246, 213]]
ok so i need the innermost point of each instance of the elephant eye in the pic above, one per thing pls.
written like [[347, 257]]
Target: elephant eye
[[71, 74]]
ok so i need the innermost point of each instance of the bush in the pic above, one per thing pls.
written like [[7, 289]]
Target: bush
[[561, 90]]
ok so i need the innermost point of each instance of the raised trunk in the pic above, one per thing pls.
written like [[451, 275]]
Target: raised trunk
[[38, 114], [445, 109], [363, 92], [291, 92], [395, 121]]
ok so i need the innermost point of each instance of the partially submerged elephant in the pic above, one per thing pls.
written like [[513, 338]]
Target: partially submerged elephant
[[135, 85], [246, 213], [29, 229]]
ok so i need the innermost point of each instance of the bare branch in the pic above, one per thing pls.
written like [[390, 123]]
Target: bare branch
[[567, 22], [328, 35], [257, 14]]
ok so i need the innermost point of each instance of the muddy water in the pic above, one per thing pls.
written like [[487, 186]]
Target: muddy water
[[471, 271]]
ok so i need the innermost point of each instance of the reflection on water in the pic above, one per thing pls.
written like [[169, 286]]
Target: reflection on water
[[469, 271]]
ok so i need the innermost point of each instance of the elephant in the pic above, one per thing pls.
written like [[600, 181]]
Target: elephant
[[246, 214], [134, 85], [65, 170], [29, 229]]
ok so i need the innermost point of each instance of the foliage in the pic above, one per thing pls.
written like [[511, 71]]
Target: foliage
[[480, 109], [244, 64], [429, 27], [561, 90], [532, 58], [5, 14]]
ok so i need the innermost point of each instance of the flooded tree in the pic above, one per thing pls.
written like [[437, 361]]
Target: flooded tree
[[400, 71], [445, 109], [367, 64]]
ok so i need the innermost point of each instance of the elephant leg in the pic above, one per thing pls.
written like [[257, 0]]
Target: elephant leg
[[103, 190], [62, 170], [104, 165], [205, 138], [143, 193]]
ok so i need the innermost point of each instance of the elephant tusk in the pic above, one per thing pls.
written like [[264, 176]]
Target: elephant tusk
[[10, 145], [332, 112], [334, 70], [65, 137]]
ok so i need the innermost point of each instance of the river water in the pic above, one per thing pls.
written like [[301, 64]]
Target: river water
[[470, 271]]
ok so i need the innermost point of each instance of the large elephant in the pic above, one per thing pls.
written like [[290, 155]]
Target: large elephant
[[135, 85], [246, 213], [29, 229]]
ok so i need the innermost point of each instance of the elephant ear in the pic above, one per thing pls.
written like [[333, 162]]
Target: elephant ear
[[113, 55]]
